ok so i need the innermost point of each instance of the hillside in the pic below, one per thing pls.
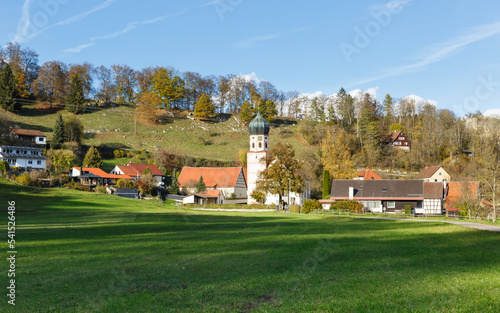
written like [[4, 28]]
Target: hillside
[[114, 127]]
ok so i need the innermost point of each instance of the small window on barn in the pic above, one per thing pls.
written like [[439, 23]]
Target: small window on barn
[[440, 173], [391, 204], [384, 188]]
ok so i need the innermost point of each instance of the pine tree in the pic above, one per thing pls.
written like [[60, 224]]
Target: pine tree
[[200, 186], [174, 187], [204, 107], [388, 110], [9, 94], [59, 133], [246, 113], [76, 96], [92, 158], [326, 185]]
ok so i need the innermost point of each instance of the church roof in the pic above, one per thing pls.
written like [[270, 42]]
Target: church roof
[[258, 126]]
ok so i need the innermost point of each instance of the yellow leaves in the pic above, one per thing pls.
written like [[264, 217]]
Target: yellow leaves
[[336, 157]]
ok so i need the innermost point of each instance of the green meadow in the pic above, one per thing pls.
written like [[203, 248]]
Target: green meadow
[[82, 252]]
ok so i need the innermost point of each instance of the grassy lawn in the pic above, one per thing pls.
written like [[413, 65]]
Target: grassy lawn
[[81, 252]]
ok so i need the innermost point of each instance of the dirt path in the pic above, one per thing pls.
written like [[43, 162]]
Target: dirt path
[[465, 224]]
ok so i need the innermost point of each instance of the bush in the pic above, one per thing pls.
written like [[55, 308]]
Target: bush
[[24, 179], [4, 167], [100, 189], [311, 205], [125, 184], [408, 209], [75, 186], [347, 205], [294, 209]]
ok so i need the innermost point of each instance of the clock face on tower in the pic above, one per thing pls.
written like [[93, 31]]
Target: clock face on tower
[[260, 138]]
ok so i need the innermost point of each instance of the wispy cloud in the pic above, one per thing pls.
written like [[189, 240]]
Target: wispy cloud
[[250, 42], [25, 31], [131, 26], [439, 52]]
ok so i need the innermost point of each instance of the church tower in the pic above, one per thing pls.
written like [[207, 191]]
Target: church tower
[[257, 156]]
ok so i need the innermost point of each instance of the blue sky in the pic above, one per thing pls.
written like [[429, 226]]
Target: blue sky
[[443, 51]]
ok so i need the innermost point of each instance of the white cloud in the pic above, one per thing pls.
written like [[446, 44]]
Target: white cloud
[[357, 93], [439, 52], [313, 95], [492, 113], [250, 77], [420, 100], [24, 22]]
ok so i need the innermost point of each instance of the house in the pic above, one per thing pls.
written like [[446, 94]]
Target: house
[[434, 174], [90, 176], [390, 195], [367, 175], [229, 180], [399, 140], [29, 135], [209, 197], [26, 158], [135, 170]]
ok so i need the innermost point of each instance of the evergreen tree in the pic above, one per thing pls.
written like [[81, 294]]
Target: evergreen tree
[[388, 110], [200, 186], [174, 187], [345, 110], [326, 184], [76, 96], [9, 95], [246, 113], [204, 107], [92, 158], [59, 133]]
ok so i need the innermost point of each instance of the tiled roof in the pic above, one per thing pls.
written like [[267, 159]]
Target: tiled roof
[[433, 190], [378, 189], [369, 175], [210, 194], [141, 167], [395, 135], [27, 132], [213, 177], [456, 190], [101, 173], [428, 171]]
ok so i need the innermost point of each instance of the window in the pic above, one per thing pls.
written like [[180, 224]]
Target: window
[[260, 145], [266, 145], [30, 162], [440, 173], [39, 162], [253, 145], [391, 204], [384, 188], [25, 152], [401, 138]]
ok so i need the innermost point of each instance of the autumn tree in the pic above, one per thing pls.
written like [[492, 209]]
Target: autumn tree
[[149, 107], [107, 89], [282, 174], [147, 182], [246, 113], [9, 95], [168, 87], [204, 107], [23, 63], [267, 109], [174, 186], [51, 84], [76, 97], [124, 79], [61, 160], [92, 158], [85, 73], [59, 133], [336, 157]]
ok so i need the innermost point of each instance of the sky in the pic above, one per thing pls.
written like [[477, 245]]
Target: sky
[[445, 52]]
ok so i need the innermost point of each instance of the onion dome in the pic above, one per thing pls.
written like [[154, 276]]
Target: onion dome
[[258, 126]]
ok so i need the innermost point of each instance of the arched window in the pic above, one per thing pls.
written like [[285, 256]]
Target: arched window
[[260, 145], [253, 145], [266, 145]]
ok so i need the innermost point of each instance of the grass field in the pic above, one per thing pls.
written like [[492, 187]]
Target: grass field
[[81, 252]]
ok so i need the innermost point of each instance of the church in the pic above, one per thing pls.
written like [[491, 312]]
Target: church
[[257, 161]]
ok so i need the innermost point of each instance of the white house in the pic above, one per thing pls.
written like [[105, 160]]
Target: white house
[[23, 157], [29, 135]]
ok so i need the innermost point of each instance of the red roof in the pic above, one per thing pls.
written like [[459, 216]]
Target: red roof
[[369, 175], [210, 194], [213, 177], [141, 167], [27, 132], [428, 171], [395, 135], [101, 173], [457, 191]]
